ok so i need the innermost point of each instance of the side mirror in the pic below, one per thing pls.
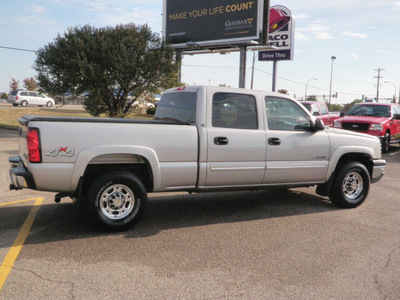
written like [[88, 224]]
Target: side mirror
[[396, 116], [341, 113], [318, 125], [316, 113]]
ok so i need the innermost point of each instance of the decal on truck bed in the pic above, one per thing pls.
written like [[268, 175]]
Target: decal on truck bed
[[61, 151]]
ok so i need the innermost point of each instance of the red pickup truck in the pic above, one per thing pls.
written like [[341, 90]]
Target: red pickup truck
[[320, 110], [378, 119]]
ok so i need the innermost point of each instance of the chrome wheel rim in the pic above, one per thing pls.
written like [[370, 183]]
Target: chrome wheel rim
[[117, 201], [352, 186]]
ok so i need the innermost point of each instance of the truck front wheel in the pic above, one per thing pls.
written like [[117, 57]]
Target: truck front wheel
[[351, 185], [385, 142], [117, 200]]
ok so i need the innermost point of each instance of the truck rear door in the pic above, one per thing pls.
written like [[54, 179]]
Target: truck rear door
[[236, 140]]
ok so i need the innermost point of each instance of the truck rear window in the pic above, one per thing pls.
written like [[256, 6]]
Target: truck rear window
[[179, 107]]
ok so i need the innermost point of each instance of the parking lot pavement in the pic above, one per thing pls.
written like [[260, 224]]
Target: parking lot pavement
[[244, 245]]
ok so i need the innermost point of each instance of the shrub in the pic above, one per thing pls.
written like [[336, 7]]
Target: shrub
[[151, 110]]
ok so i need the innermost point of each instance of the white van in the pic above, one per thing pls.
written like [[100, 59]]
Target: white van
[[25, 98]]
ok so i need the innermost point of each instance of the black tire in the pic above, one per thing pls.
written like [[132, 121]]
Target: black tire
[[24, 103], [116, 201], [49, 104], [385, 142], [15, 104], [351, 185]]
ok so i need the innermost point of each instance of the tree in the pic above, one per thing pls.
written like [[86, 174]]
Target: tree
[[14, 84], [283, 91], [334, 107], [107, 64], [347, 106], [312, 98], [30, 84]]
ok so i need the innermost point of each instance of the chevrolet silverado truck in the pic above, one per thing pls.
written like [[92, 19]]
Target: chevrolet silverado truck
[[378, 119], [202, 139], [320, 110]]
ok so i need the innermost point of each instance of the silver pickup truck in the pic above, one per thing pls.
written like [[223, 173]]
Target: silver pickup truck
[[202, 139]]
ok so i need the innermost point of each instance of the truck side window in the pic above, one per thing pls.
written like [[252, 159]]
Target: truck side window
[[180, 107], [231, 110], [314, 110], [284, 114], [396, 108], [324, 110]]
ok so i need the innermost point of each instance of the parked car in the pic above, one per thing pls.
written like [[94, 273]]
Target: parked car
[[378, 119], [320, 110], [25, 98]]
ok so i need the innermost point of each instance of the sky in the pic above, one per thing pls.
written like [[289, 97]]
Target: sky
[[363, 35]]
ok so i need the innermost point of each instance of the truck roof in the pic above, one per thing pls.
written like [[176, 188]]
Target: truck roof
[[311, 102], [195, 88]]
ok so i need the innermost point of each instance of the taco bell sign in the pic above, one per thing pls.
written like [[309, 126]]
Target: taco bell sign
[[280, 35]]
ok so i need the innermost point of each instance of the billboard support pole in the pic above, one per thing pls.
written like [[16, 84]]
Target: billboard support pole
[[242, 68], [274, 70], [265, 29], [178, 61]]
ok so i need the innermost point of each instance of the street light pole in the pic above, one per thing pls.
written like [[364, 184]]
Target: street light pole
[[305, 92], [394, 90], [330, 87]]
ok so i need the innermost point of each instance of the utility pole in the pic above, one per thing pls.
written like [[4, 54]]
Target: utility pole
[[377, 87], [252, 70]]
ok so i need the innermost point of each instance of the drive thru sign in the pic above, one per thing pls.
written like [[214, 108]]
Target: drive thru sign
[[280, 36]]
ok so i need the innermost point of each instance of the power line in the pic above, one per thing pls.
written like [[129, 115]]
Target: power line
[[269, 73], [18, 49]]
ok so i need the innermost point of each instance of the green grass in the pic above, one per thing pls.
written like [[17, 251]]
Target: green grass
[[9, 116]]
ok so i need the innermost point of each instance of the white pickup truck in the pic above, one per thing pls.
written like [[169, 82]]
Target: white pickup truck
[[202, 139]]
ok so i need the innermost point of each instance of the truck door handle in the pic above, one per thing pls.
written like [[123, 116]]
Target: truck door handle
[[274, 141], [221, 140]]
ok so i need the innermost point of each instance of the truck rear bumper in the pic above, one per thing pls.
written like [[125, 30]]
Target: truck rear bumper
[[378, 170], [20, 177]]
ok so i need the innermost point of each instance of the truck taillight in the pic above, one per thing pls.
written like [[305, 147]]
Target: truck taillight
[[34, 155], [16, 98]]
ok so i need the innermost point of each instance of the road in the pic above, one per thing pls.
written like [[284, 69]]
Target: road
[[245, 245]]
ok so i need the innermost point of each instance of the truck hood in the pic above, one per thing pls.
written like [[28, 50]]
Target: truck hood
[[351, 133], [363, 119]]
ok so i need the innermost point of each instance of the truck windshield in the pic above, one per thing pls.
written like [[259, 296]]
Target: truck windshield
[[179, 107], [382, 111]]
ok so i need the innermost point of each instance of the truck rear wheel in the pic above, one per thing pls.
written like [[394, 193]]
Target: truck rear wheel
[[117, 200], [351, 185]]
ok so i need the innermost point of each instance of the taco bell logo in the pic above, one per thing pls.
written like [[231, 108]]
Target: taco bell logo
[[279, 33], [278, 18]]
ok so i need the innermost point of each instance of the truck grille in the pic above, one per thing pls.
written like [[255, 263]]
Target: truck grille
[[356, 126]]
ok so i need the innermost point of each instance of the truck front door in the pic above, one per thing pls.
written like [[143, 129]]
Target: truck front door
[[294, 153], [236, 141]]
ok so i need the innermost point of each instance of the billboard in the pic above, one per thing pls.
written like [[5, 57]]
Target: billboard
[[280, 35], [201, 23]]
